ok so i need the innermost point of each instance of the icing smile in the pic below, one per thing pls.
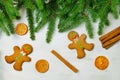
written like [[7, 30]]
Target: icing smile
[[74, 37]]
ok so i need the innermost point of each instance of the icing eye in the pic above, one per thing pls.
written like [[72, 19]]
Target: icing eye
[[73, 33]]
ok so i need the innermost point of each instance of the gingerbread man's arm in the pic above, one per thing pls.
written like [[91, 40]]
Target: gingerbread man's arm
[[26, 59], [71, 46], [16, 49], [11, 58], [87, 46]]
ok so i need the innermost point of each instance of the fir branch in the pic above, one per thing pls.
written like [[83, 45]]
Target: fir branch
[[3, 27], [38, 16], [10, 9], [28, 4], [48, 10], [64, 9], [70, 13], [2, 23], [114, 9], [74, 11], [71, 23], [62, 20], [103, 14], [76, 23], [100, 27], [9, 21], [88, 26], [52, 19], [103, 21], [40, 4], [20, 4], [31, 23], [41, 24], [51, 28], [80, 4], [11, 26], [107, 22], [43, 21], [93, 14]]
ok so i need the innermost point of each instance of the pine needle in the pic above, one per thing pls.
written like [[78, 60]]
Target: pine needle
[[43, 21], [71, 24], [11, 13], [93, 14], [72, 13], [3, 27], [103, 14], [9, 22], [100, 27], [40, 4], [88, 27], [3, 23], [114, 4], [31, 23], [51, 28], [20, 4]]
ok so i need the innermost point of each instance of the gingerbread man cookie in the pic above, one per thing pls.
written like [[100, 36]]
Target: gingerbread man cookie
[[19, 56], [79, 43]]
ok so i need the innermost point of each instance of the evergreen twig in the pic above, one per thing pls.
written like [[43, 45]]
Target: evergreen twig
[[51, 28], [9, 22], [89, 26], [43, 21], [71, 13], [114, 8], [31, 23]]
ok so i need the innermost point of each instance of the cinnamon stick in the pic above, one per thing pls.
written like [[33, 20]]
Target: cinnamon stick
[[109, 46], [111, 41], [110, 35], [64, 61]]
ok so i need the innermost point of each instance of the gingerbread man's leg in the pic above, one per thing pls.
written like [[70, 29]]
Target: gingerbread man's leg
[[18, 65], [11, 58], [80, 53], [87, 46]]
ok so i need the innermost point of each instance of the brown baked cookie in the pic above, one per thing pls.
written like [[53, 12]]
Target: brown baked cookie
[[42, 66], [21, 29], [27, 48], [101, 62], [79, 43], [19, 56]]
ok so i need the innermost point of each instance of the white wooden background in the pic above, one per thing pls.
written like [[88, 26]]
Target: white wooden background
[[57, 70]]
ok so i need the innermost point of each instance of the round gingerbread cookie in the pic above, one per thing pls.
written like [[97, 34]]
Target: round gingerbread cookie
[[72, 35], [42, 66], [21, 29], [101, 62], [27, 48]]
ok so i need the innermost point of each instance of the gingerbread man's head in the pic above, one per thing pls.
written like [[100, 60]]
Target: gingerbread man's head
[[26, 48], [72, 35]]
